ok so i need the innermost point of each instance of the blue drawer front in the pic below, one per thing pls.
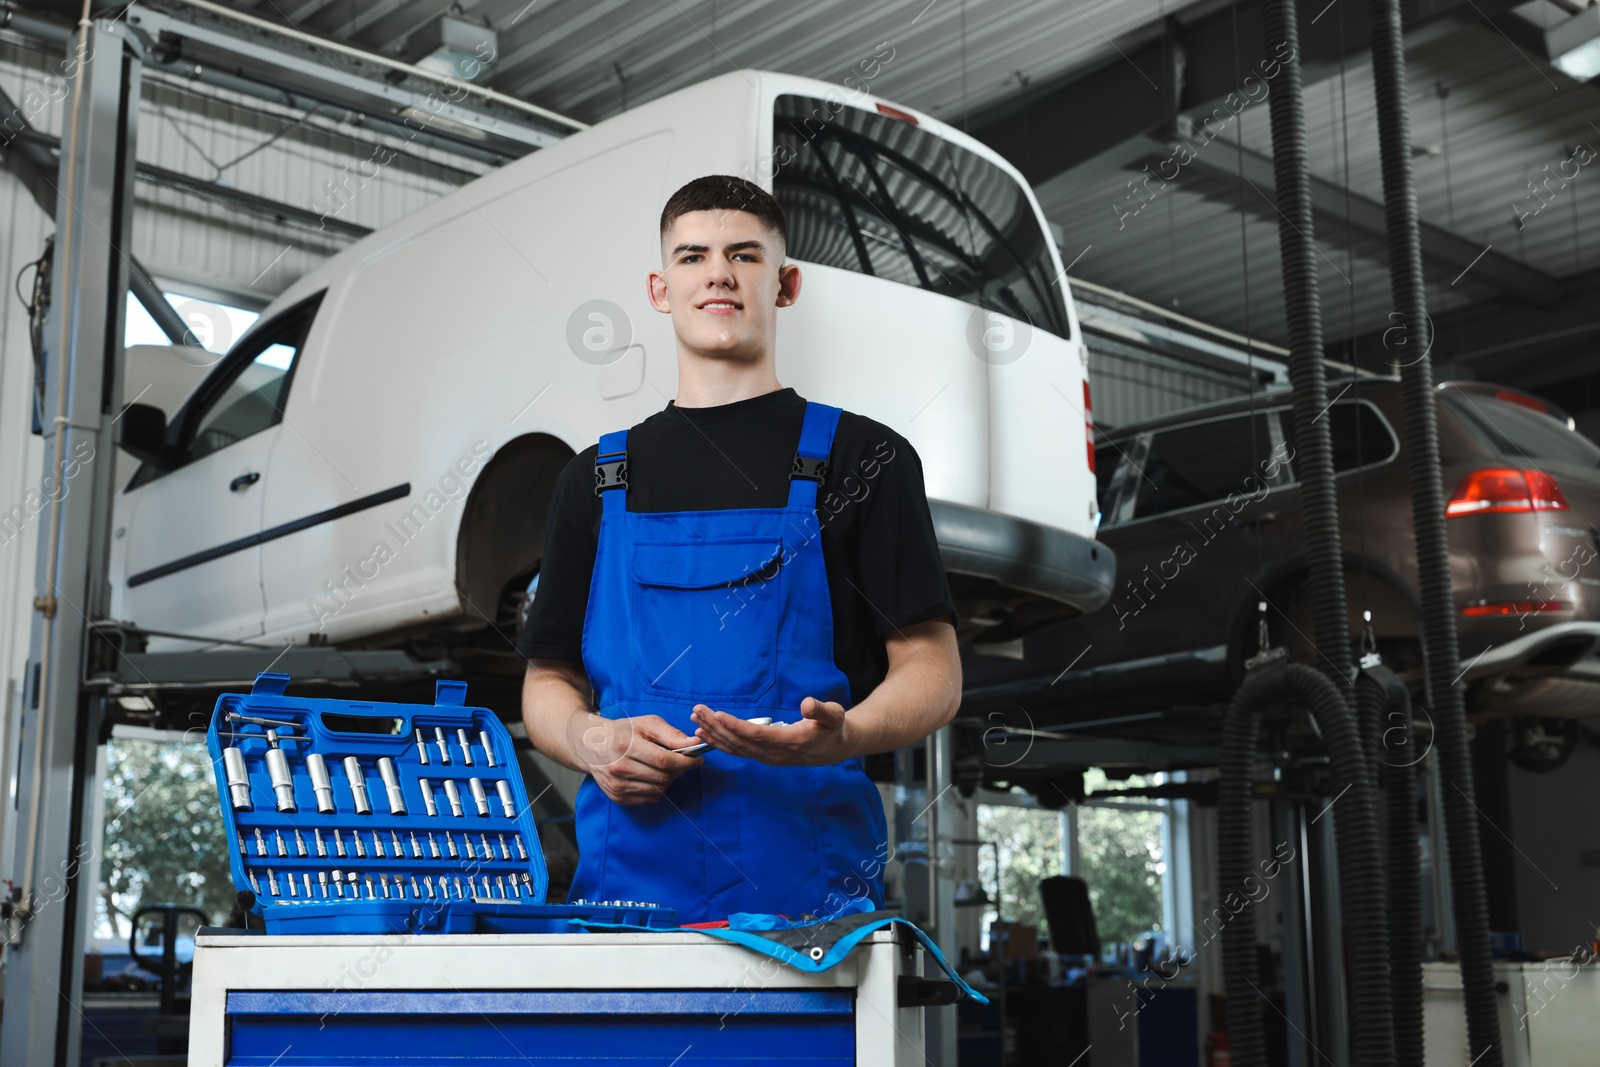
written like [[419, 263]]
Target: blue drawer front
[[542, 1029]]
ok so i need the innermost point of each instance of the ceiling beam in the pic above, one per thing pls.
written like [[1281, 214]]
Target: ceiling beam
[[1336, 209], [211, 38], [1187, 66], [1503, 341]]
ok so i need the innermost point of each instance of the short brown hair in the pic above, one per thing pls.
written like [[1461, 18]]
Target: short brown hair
[[724, 192]]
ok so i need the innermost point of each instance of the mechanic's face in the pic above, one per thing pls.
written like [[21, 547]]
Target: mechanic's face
[[722, 280]]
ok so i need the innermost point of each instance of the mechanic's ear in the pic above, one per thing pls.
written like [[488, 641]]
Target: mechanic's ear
[[788, 285], [657, 283]]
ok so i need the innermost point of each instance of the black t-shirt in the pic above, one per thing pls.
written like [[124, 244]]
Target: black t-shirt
[[883, 564]]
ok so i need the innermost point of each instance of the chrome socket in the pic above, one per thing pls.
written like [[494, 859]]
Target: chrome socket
[[503, 787], [478, 796], [282, 783], [391, 785], [427, 796], [454, 796], [488, 750], [358, 785], [321, 784], [238, 778]]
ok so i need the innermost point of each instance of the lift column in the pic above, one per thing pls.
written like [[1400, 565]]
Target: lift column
[[83, 392]]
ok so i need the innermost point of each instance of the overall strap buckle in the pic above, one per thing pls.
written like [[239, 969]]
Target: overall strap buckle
[[611, 462], [610, 475], [811, 468]]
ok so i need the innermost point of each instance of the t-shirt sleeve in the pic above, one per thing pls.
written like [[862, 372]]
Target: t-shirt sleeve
[[561, 600], [897, 562]]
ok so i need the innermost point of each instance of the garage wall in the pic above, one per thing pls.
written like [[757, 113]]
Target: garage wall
[[350, 175], [1555, 819], [1130, 384]]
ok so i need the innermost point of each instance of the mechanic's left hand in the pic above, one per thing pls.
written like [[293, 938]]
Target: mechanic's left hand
[[821, 737]]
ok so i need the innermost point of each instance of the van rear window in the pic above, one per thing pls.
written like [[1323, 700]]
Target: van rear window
[[879, 196]]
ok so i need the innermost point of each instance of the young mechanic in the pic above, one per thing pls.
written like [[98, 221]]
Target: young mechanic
[[690, 577]]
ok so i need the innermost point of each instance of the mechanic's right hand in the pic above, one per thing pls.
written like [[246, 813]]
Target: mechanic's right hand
[[631, 759]]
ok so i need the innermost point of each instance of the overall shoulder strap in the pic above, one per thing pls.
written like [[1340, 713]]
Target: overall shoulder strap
[[811, 458], [611, 471]]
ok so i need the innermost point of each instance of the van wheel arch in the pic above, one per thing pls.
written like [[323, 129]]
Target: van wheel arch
[[501, 539]]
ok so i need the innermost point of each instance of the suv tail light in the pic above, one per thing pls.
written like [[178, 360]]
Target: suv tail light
[[1514, 607], [1505, 489], [1088, 423]]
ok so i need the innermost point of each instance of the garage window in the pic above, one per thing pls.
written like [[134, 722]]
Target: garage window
[[867, 193], [1132, 852]]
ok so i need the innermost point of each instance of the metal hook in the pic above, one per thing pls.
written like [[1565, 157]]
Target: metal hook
[[1369, 643]]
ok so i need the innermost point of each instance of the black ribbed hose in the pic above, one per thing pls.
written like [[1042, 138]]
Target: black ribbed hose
[[1313, 457], [1386, 721], [1242, 881], [1440, 644], [1291, 165]]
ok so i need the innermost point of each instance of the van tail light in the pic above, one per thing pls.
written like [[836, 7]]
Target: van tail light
[[1088, 423], [896, 113], [1505, 489]]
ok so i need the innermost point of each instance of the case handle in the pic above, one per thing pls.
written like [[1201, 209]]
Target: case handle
[[269, 684]]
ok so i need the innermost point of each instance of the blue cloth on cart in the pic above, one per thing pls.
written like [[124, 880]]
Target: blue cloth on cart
[[814, 946]]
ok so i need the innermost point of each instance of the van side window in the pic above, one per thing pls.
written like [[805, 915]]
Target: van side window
[[247, 393], [250, 404], [1188, 466]]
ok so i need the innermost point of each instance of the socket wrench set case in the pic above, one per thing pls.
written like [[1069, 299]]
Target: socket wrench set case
[[362, 817]]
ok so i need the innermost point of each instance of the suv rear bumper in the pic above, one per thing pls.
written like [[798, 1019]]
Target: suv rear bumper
[[1570, 649], [1024, 556]]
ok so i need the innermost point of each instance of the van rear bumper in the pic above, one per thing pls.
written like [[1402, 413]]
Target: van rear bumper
[[1024, 557]]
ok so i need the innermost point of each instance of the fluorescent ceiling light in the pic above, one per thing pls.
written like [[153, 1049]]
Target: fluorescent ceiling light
[[453, 45], [1569, 37]]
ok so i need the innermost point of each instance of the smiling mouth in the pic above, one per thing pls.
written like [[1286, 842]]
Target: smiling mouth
[[722, 306]]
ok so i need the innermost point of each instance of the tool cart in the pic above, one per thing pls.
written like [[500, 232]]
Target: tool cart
[[396, 892]]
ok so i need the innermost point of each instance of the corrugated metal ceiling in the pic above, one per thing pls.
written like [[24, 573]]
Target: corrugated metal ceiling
[[1503, 119], [950, 56], [1507, 115]]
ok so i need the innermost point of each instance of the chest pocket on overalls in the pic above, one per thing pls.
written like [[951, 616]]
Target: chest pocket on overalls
[[706, 618]]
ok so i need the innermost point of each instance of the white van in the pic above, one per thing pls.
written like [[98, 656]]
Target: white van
[[372, 461]]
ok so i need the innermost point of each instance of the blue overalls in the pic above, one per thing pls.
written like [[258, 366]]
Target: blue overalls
[[728, 608]]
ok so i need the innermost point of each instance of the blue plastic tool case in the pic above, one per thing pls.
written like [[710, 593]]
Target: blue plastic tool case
[[477, 871]]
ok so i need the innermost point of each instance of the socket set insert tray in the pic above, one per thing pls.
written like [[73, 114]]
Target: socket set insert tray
[[349, 816]]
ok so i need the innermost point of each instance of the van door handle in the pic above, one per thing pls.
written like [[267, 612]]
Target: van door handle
[[1263, 519], [244, 481]]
